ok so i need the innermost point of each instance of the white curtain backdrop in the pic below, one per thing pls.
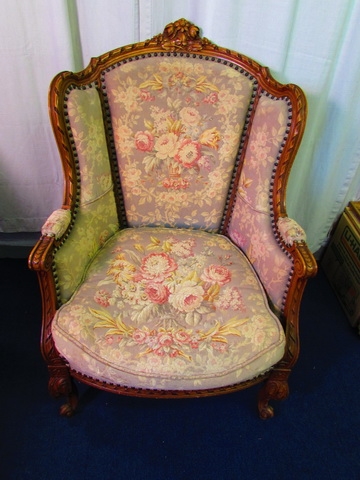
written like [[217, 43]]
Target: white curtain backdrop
[[314, 44]]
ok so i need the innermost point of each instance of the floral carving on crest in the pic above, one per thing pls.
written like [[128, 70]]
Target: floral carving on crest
[[182, 35]]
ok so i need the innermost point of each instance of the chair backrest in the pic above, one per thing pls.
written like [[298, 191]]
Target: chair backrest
[[197, 136], [177, 122]]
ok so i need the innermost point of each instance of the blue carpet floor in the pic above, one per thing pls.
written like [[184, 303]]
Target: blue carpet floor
[[314, 435]]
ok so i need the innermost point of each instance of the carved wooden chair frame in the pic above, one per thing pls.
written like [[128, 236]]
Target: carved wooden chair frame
[[181, 38]]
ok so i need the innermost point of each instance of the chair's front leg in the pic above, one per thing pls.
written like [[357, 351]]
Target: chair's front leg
[[62, 384], [275, 388], [60, 380]]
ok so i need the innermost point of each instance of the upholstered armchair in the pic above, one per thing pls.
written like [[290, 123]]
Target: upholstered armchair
[[172, 268]]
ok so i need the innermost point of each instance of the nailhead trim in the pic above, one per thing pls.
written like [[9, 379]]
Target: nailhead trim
[[77, 174]]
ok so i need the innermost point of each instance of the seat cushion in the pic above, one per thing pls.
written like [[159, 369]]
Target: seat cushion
[[169, 309]]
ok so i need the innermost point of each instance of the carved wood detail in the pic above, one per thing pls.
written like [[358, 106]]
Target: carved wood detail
[[153, 393], [275, 388], [181, 35], [62, 384]]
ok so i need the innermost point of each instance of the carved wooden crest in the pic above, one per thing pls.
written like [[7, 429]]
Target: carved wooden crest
[[181, 35]]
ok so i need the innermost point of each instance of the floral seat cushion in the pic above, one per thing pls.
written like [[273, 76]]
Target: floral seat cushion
[[169, 309]]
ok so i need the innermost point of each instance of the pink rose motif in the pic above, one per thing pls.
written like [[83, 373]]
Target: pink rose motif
[[183, 248], [174, 353], [194, 342], [176, 183], [230, 298], [166, 145], [187, 296], [261, 138], [220, 347], [144, 141], [188, 154], [190, 116], [181, 337], [157, 293], [216, 274], [260, 246], [238, 238], [156, 267], [212, 98], [102, 297], [165, 339], [146, 96], [259, 337], [140, 336], [75, 328]]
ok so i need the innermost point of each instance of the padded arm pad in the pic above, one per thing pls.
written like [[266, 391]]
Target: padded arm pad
[[290, 231], [57, 224]]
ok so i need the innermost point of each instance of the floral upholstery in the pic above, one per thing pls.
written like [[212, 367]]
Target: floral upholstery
[[87, 130], [160, 308], [177, 126], [172, 264], [95, 223], [252, 227], [96, 214]]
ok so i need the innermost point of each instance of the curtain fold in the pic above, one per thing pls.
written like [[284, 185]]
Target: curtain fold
[[34, 45], [313, 44], [326, 176]]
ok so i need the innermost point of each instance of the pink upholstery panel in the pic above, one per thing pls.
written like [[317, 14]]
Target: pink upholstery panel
[[177, 125], [162, 308], [251, 223]]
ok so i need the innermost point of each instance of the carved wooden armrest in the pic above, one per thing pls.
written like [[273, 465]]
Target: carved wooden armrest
[[290, 231], [57, 224]]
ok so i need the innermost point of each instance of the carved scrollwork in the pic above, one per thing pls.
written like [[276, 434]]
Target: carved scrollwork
[[41, 256], [308, 259], [58, 385], [181, 34]]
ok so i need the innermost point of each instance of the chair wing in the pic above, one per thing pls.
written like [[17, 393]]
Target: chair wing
[[171, 147]]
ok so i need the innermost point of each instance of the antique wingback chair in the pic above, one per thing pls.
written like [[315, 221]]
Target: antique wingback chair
[[172, 268]]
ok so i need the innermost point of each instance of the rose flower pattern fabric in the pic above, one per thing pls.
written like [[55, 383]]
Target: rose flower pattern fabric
[[177, 125], [161, 304]]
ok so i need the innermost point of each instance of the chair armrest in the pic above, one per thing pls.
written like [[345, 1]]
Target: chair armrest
[[294, 237], [41, 256], [57, 224], [290, 231]]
